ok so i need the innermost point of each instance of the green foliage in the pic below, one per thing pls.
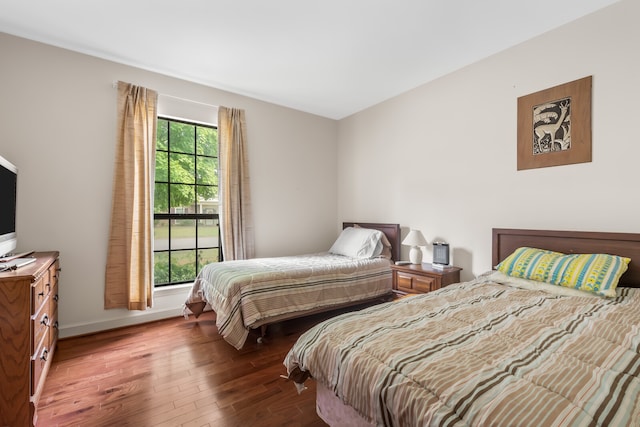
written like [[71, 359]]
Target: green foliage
[[183, 265], [187, 159], [162, 134], [161, 268], [207, 141], [182, 137], [179, 273]]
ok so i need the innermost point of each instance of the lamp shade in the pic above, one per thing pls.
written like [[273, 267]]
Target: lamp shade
[[415, 239]]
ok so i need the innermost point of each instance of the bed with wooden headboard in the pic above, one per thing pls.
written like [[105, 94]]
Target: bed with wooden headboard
[[251, 294], [496, 350], [506, 240]]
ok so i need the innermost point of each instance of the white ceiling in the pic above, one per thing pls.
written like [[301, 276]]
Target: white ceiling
[[328, 57]]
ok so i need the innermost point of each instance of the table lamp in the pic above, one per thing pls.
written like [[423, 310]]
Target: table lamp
[[415, 239]]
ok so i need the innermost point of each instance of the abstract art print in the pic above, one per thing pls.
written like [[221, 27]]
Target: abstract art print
[[554, 126]]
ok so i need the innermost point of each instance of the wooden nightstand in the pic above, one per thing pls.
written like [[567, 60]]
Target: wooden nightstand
[[422, 278]]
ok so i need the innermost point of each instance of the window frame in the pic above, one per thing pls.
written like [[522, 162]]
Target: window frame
[[175, 216]]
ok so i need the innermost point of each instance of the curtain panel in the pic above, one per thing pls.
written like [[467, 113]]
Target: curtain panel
[[236, 220], [129, 271]]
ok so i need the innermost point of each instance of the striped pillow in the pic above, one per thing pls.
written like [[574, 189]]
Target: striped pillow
[[597, 273]]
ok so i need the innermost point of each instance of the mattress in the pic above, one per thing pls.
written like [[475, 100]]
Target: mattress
[[247, 293], [485, 352]]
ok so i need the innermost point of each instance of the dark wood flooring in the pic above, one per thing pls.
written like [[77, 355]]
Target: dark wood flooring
[[176, 372]]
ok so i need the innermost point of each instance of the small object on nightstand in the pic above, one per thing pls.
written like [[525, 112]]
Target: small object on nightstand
[[440, 255], [403, 262]]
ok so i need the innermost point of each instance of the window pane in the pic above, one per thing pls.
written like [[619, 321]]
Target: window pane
[[206, 256], [207, 196], [162, 135], [160, 235], [161, 268], [183, 234], [182, 198], [182, 137], [162, 166], [207, 233], [183, 266], [161, 198], [207, 141], [207, 170], [182, 168]]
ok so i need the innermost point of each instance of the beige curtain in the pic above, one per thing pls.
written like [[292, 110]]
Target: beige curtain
[[236, 223], [129, 274]]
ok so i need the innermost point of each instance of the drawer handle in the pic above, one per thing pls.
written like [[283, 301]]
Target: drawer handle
[[45, 320], [41, 294], [44, 355], [55, 325], [56, 297]]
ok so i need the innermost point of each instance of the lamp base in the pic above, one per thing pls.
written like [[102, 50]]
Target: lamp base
[[415, 255]]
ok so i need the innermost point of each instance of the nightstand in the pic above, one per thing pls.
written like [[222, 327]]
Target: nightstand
[[422, 278]]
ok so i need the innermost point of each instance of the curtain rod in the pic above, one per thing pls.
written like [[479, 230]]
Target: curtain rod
[[115, 86]]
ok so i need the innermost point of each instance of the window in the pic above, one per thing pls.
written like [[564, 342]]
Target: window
[[186, 228]]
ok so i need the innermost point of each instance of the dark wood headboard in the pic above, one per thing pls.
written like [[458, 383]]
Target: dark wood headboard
[[392, 231], [506, 240]]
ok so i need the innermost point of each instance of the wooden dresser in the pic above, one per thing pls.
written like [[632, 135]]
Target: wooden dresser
[[28, 336]]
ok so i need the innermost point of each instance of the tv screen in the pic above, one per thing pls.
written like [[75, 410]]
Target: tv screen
[[8, 198]]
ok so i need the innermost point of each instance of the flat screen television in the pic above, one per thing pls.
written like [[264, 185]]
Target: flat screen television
[[8, 200]]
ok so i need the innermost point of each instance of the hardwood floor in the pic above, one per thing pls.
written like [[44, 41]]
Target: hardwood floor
[[176, 372]]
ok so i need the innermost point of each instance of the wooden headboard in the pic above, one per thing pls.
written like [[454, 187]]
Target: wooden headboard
[[506, 240], [392, 231]]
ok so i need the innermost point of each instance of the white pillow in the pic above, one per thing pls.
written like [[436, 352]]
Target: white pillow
[[358, 243]]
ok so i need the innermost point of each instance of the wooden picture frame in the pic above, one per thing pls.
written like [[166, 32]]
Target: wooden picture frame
[[554, 126]]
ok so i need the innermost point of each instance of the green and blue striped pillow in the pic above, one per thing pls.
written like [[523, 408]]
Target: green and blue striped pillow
[[597, 273]]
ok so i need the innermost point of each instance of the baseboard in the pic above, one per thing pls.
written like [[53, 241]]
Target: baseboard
[[92, 328], [168, 302]]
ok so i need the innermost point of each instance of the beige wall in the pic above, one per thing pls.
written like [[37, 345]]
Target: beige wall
[[57, 113], [442, 157], [309, 173]]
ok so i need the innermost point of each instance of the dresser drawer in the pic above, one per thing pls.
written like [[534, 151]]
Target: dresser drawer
[[40, 323], [53, 274], [39, 292], [39, 360], [53, 309]]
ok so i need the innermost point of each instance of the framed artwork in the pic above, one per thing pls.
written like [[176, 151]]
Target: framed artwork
[[554, 126]]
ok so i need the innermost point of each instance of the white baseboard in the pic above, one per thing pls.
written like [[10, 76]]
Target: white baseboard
[[91, 328], [168, 303]]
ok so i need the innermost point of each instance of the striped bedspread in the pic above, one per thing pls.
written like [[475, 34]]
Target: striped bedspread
[[247, 293], [482, 353]]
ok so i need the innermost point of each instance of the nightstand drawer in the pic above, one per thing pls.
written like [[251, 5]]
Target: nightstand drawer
[[422, 278], [415, 284]]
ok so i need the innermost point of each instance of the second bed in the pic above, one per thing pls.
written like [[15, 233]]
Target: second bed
[[250, 294]]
